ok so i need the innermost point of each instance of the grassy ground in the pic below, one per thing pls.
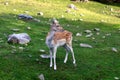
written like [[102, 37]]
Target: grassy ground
[[97, 63]]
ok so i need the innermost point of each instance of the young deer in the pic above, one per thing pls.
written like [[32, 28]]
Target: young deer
[[60, 39]]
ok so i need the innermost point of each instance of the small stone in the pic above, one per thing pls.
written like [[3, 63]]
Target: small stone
[[116, 78], [72, 6], [75, 40], [44, 56], [89, 35], [21, 48], [81, 19], [25, 17], [114, 49], [96, 29], [41, 50], [111, 9], [40, 13], [88, 31], [85, 45], [29, 28], [14, 10], [78, 34], [103, 37], [6, 3], [62, 16], [37, 59], [106, 6], [103, 20], [16, 30], [97, 33], [108, 34], [68, 25], [41, 77], [93, 38], [41, 39]]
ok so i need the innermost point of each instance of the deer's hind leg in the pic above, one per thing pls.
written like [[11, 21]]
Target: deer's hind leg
[[70, 49], [67, 50]]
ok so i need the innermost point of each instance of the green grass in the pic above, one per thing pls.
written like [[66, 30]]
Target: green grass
[[97, 63]]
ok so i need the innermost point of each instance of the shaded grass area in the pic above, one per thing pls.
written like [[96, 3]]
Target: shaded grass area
[[98, 63]]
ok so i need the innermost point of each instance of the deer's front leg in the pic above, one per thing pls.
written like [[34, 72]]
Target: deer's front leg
[[51, 54], [54, 55]]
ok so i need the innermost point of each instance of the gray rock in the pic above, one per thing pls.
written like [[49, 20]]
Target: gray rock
[[21, 38], [25, 17]]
